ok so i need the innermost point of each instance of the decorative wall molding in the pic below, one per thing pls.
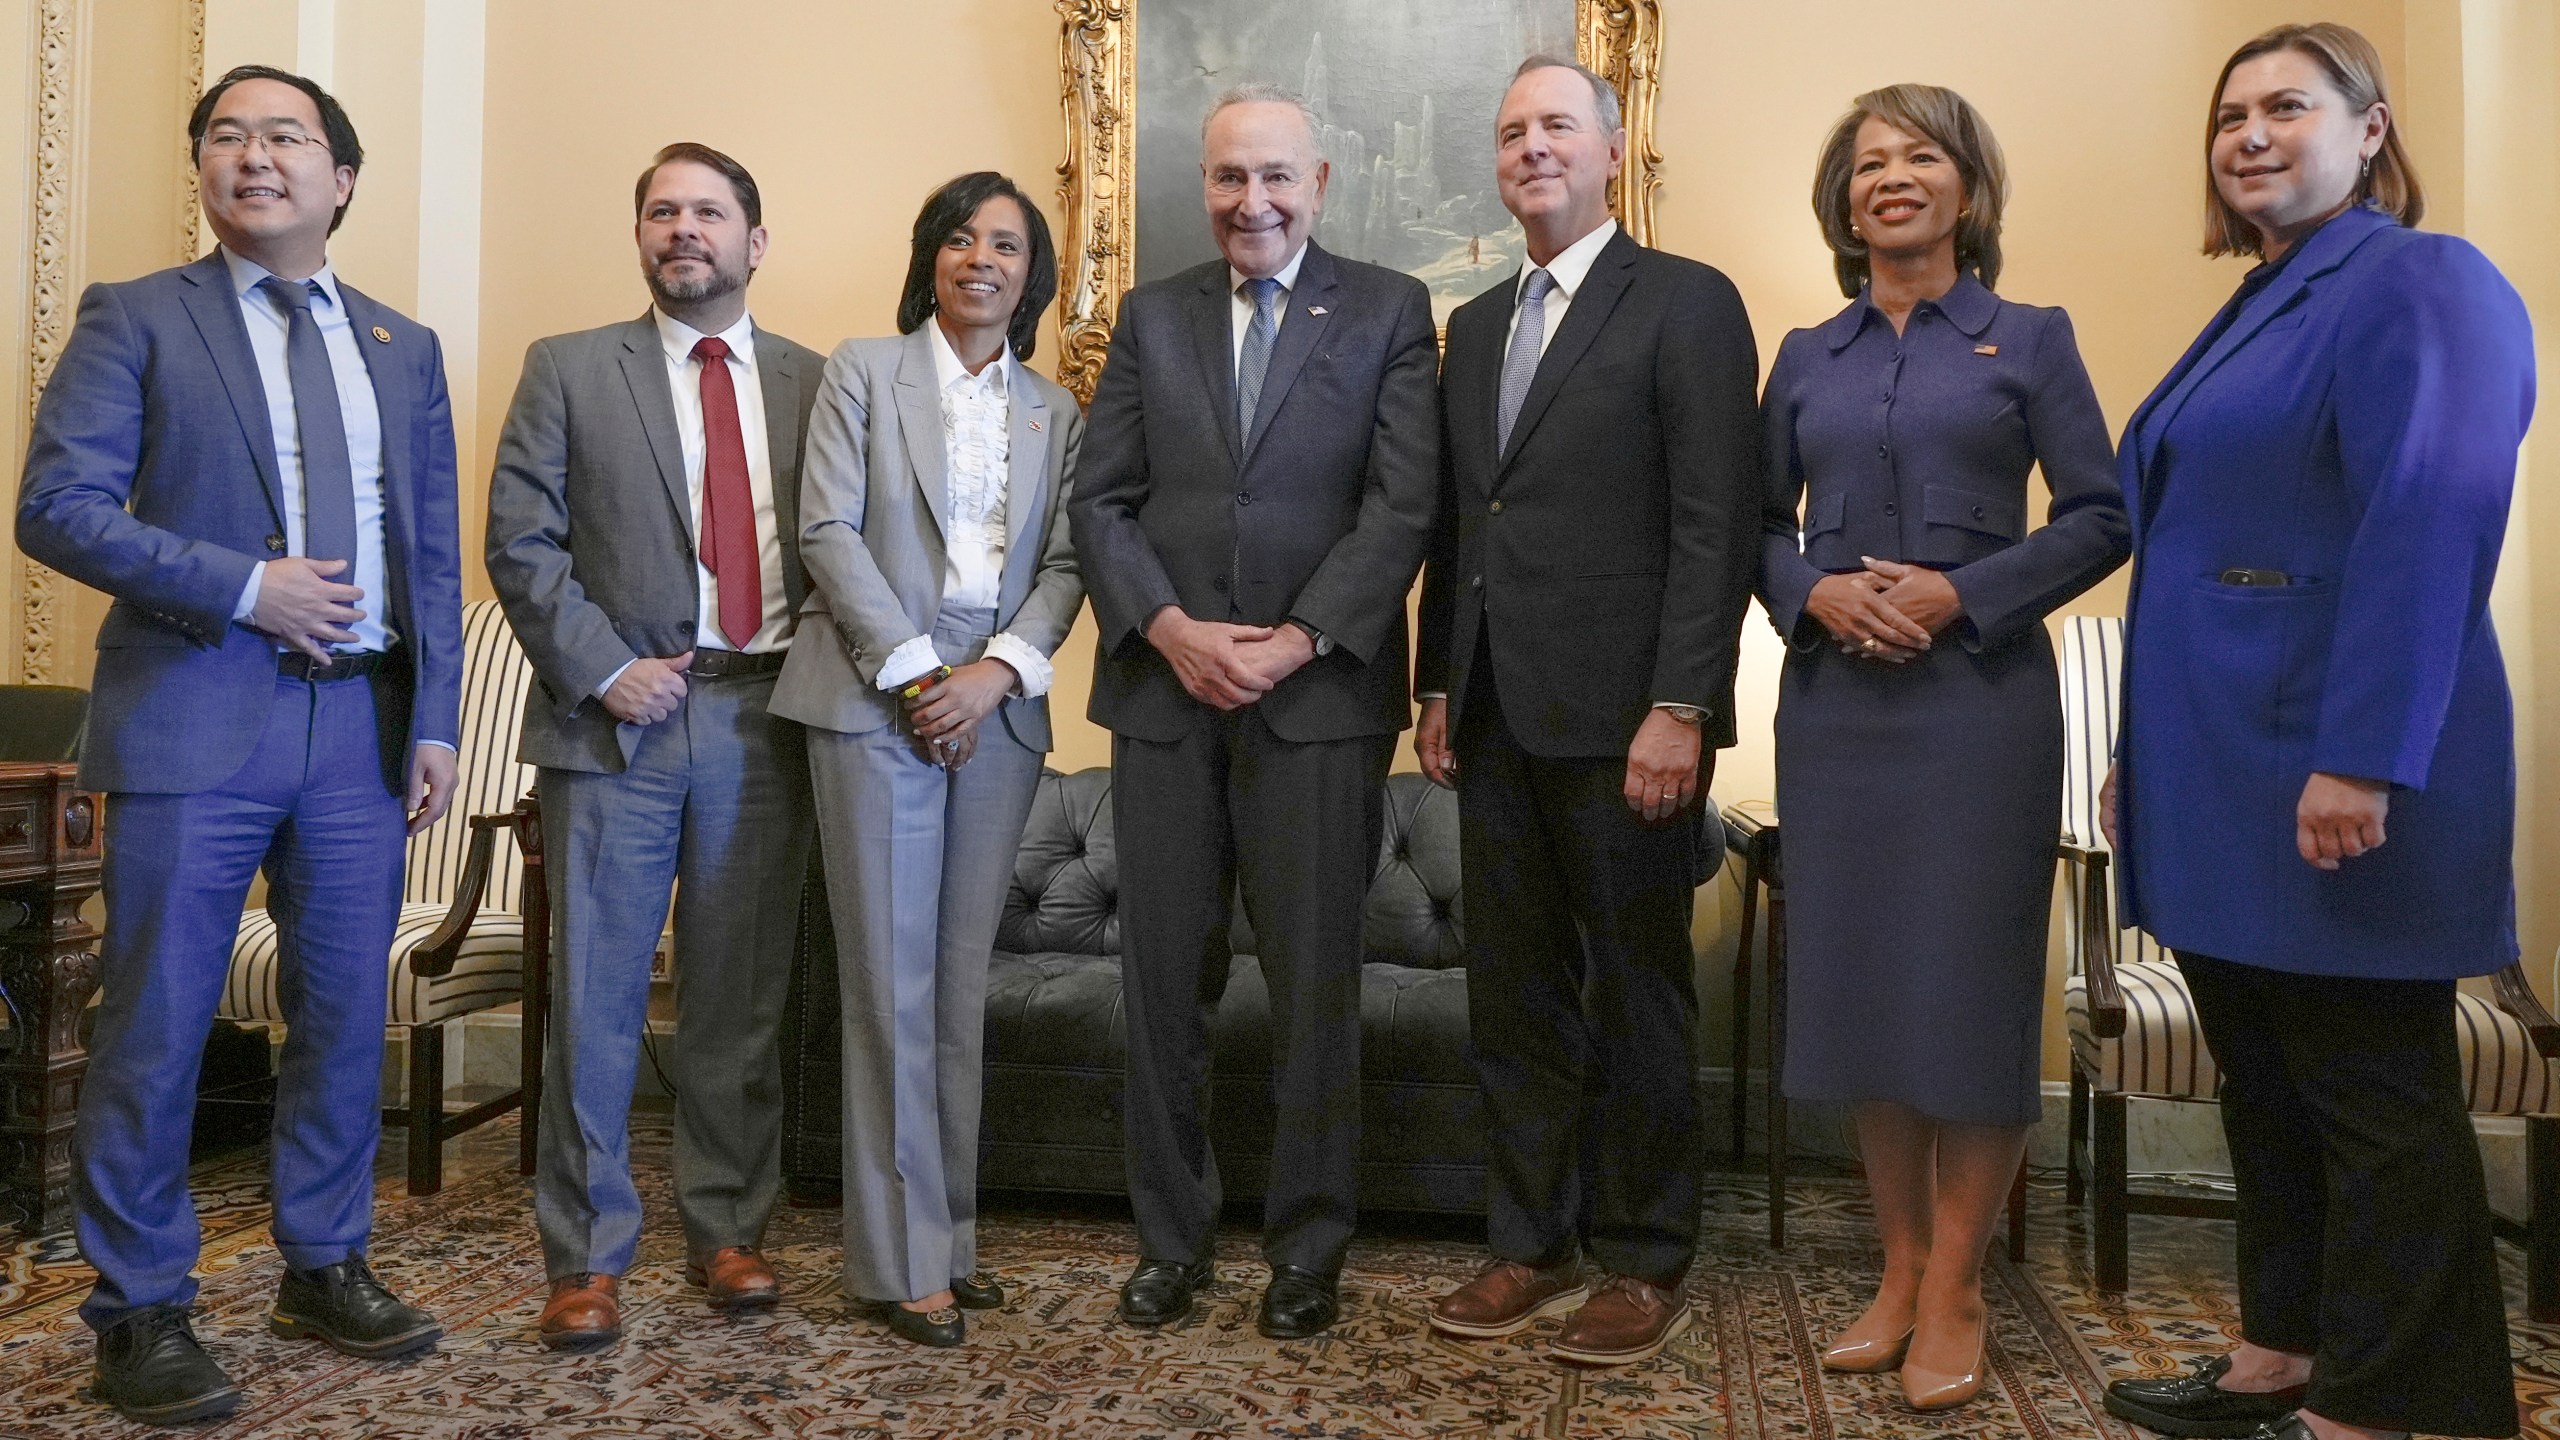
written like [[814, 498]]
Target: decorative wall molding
[[190, 85], [1621, 40], [49, 298]]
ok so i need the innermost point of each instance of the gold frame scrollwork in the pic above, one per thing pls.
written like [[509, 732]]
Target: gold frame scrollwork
[[1620, 40]]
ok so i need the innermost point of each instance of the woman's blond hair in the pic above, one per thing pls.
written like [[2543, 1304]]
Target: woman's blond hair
[[1945, 119], [2354, 67]]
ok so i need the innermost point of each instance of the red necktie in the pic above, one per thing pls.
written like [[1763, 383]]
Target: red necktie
[[728, 504]]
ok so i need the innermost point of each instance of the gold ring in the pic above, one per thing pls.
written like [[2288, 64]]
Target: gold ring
[[1871, 642]]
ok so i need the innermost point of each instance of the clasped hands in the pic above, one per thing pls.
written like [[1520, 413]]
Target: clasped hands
[[1888, 612], [1228, 667], [943, 721]]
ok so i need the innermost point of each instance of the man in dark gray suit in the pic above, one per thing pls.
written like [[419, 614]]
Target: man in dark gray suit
[[643, 536], [1250, 508]]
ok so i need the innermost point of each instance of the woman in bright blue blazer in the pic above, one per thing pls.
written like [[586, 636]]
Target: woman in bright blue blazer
[[2315, 784]]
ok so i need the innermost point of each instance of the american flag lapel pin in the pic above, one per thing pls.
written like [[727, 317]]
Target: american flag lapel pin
[[1986, 349], [1318, 310], [1035, 424]]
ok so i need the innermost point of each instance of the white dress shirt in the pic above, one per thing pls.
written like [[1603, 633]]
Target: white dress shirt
[[977, 459], [1240, 305], [269, 325], [1568, 270]]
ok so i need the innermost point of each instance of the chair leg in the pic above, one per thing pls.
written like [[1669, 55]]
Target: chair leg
[[2110, 1186], [2542, 1218], [2075, 1188], [426, 1109], [2018, 1214], [1742, 1011], [1777, 1069]]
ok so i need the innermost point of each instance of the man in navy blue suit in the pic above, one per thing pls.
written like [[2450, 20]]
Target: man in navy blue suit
[[257, 463]]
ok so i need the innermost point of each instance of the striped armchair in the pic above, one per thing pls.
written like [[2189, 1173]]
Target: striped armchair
[[467, 905], [2133, 1026]]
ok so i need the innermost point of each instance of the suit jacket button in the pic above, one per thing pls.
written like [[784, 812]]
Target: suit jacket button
[[276, 543], [1497, 507], [1977, 512], [1475, 582], [1889, 508], [1244, 497]]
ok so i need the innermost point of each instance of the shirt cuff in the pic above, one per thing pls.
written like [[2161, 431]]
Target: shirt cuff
[[1029, 666], [446, 744], [912, 660], [1432, 695], [616, 675], [248, 603]]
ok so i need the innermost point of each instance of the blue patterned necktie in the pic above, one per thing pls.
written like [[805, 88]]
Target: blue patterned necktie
[[1255, 362], [1520, 364], [328, 477]]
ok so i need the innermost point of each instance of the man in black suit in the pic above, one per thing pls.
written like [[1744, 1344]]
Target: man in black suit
[[1581, 617], [1250, 508]]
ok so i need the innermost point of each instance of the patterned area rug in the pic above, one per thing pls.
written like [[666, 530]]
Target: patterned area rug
[[1054, 1363]]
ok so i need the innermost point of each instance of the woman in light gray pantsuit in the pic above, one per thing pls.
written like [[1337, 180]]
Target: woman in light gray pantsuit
[[934, 531]]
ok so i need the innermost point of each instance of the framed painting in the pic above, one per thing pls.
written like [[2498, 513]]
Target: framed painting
[[1406, 90]]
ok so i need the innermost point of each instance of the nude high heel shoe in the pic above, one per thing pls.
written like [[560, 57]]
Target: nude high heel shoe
[[1930, 1390], [1866, 1357]]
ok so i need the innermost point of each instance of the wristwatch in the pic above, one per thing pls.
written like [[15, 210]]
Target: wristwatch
[[1689, 715]]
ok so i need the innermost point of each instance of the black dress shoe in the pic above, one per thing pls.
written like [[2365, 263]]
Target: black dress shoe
[[151, 1369], [1299, 1304], [1159, 1292], [2192, 1404], [941, 1328], [345, 1306], [2290, 1427], [977, 1290]]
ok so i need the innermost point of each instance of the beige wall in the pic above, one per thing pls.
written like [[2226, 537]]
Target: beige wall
[[850, 112]]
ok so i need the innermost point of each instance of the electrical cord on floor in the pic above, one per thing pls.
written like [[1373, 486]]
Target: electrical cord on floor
[[649, 1047]]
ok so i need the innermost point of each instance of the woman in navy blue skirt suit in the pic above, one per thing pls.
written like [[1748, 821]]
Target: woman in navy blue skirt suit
[[2314, 797], [1920, 699]]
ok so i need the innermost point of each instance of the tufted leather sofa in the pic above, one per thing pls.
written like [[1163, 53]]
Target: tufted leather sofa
[[1056, 1039]]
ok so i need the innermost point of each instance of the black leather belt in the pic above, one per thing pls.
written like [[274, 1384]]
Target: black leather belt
[[294, 665], [711, 664]]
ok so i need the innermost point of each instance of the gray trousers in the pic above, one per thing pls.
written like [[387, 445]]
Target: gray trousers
[[917, 863], [714, 806]]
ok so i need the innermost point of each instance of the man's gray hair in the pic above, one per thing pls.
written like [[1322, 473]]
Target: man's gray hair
[[1604, 96], [1263, 92]]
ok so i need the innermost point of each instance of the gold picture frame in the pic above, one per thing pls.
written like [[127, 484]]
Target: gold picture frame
[[1621, 40]]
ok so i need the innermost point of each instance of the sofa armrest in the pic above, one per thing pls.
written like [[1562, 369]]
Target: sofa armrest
[[2092, 941]]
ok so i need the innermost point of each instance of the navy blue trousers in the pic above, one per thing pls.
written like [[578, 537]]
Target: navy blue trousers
[[311, 809]]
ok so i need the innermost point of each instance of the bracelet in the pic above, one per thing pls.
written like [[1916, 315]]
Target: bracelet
[[924, 682]]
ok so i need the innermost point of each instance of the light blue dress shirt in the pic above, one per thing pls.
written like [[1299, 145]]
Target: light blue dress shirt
[[268, 326]]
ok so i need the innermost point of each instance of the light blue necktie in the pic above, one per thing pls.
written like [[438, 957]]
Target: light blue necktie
[[1255, 362], [328, 475], [1520, 365]]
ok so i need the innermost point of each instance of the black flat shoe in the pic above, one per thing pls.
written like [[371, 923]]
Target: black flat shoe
[[2193, 1405], [1159, 1292], [151, 1369], [940, 1328], [1299, 1304], [2290, 1427], [344, 1306], [977, 1290]]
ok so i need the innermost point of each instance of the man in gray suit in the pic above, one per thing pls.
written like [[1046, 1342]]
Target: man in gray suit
[[1257, 476], [643, 525]]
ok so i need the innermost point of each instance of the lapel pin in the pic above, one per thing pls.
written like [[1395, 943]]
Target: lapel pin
[[1035, 424], [1986, 349], [1317, 310], [381, 334]]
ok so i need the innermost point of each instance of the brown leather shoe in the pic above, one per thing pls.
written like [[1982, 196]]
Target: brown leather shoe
[[1507, 1297], [1626, 1320], [582, 1313], [737, 1278]]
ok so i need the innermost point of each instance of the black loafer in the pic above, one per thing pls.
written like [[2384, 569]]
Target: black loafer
[[2193, 1405], [344, 1306], [977, 1290], [940, 1328], [2290, 1427], [1159, 1292], [1299, 1304], [151, 1369]]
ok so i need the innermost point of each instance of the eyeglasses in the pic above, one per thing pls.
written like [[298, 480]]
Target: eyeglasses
[[281, 144]]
